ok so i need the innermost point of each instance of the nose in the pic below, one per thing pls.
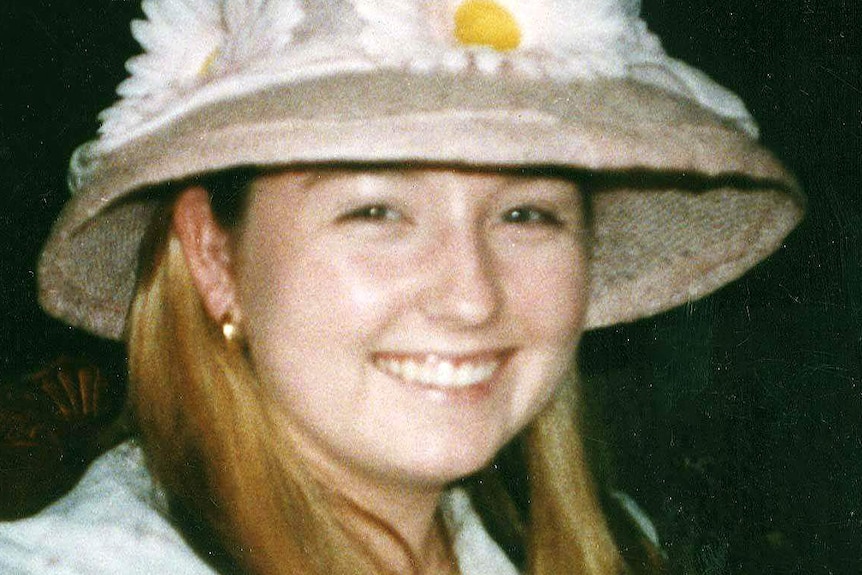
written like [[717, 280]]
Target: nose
[[464, 284]]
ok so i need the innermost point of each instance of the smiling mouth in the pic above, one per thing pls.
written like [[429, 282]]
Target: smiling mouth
[[436, 371]]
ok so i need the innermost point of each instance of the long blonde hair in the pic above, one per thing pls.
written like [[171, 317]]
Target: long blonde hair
[[210, 444]]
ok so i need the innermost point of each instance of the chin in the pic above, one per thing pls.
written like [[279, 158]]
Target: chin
[[452, 465]]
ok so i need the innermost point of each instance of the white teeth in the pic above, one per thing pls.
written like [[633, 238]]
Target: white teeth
[[438, 372]]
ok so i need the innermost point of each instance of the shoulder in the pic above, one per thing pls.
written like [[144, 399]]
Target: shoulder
[[113, 522]]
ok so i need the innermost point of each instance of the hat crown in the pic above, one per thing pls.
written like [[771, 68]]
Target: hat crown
[[191, 46], [200, 51]]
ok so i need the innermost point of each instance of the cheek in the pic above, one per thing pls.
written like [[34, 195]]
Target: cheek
[[374, 286], [551, 298], [549, 304], [295, 298], [305, 326]]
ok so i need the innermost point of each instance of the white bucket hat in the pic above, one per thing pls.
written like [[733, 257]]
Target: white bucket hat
[[687, 200]]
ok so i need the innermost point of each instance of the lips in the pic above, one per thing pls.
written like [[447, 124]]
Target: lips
[[441, 371]]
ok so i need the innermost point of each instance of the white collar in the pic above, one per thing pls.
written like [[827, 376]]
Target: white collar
[[476, 552]]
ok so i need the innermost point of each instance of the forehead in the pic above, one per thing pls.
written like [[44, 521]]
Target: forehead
[[425, 181]]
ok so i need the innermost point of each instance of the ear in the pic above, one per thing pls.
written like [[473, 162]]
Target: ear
[[206, 246]]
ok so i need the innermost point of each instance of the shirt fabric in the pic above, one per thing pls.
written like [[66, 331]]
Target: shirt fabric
[[116, 522]]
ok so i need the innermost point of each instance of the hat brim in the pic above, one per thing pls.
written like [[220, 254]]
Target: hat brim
[[693, 202]]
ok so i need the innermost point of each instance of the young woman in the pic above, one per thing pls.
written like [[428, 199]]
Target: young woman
[[352, 247]]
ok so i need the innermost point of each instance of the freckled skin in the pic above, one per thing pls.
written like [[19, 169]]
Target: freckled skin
[[334, 268]]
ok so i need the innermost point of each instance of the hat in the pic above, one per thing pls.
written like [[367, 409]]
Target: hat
[[688, 200]]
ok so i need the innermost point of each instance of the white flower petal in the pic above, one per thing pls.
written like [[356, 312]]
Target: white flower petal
[[399, 32], [188, 42], [258, 29]]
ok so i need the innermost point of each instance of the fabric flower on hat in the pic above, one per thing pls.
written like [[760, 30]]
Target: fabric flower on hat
[[187, 43], [557, 39], [198, 51], [396, 32], [538, 36]]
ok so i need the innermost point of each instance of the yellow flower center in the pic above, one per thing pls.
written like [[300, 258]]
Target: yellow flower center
[[486, 23], [206, 67]]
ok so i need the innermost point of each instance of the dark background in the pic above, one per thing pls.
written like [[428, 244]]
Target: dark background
[[735, 421]]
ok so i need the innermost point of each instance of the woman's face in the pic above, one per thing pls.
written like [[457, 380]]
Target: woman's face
[[406, 324]]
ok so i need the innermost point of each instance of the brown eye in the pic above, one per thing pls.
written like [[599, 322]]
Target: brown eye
[[372, 213], [530, 215]]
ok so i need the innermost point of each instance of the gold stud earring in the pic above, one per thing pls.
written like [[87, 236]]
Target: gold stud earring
[[229, 328]]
